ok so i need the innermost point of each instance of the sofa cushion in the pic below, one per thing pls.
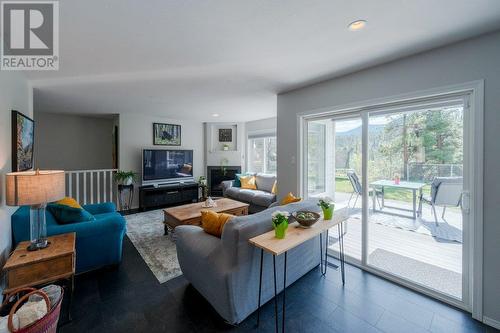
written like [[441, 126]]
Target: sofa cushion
[[290, 198], [264, 199], [65, 214], [213, 223], [233, 192], [265, 182], [246, 195], [237, 182], [248, 182]]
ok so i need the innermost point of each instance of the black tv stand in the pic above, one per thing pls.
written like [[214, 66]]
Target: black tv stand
[[168, 194]]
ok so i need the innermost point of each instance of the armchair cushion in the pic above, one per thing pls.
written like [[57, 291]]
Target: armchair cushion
[[66, 212]]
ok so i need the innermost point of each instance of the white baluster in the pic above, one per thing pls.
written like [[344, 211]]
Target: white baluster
[[77, 187], [84, 187], [70, 194], [104, 193], [91, 187], [98, 186]]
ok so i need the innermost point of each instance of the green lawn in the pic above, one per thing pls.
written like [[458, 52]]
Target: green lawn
[[343, 185]]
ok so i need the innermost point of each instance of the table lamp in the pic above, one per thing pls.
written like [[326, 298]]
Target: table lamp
[[35, 188]]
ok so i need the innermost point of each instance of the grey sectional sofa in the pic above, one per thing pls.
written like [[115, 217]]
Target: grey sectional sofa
[[226, 270], [258, 199]]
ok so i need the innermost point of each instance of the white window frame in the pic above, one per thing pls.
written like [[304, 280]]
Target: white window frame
[[473, 168], [259, 135]]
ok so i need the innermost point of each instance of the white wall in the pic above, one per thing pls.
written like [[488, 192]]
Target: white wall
[[15, 94], [469, 60], [213, 153], [136, 133], [267, 125], [73, 142]]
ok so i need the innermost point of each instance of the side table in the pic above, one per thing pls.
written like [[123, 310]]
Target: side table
[[37, 268], [296, 236]]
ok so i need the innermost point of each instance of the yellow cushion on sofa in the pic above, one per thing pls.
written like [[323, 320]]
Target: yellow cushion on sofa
[[70, 202], [213, 223], [275, 187], [289, 198], [248, 182]]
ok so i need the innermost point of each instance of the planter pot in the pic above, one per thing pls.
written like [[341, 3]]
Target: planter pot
[[328, 213], [127, 181], [280, 230]]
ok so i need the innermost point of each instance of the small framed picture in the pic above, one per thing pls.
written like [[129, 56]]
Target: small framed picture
[[225, 135], [166, 134]]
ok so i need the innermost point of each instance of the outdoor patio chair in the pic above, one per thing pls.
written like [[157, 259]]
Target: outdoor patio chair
[[358, 190], [446, 192]]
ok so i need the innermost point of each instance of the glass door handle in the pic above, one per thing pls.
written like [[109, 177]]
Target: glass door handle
[[465, 202]]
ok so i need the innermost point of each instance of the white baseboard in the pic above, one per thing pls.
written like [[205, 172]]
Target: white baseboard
[[491, 322]]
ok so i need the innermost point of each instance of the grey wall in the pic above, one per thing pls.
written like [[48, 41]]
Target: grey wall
[[469, 60], [15, 94], [136, 133], [262, 125], [73, 142]]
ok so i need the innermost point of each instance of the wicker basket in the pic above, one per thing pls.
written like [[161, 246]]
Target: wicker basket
[[47, 324]]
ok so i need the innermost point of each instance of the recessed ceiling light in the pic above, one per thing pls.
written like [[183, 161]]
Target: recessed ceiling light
[[357, 25], [215, 115]]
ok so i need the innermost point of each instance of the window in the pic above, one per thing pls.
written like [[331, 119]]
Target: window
[[262, 154]]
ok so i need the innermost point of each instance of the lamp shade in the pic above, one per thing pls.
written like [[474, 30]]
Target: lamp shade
[[34, 187]]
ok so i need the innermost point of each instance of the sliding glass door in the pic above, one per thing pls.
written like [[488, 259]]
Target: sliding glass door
[[401, 170], [415, 175], [334, 170]]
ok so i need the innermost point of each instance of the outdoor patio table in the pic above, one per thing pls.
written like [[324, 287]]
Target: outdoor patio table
[[414, 187]]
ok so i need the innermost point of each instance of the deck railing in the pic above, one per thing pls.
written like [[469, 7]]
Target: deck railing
[[91, 186]]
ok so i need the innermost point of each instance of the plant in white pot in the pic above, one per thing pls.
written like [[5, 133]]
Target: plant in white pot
[[125, 177]]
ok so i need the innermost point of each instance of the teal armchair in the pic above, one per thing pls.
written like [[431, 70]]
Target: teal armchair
[[98, 243]]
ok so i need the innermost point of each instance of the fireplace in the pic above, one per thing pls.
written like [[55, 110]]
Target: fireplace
[[217, 174]]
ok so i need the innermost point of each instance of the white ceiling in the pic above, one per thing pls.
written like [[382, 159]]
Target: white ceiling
[[189, 59]]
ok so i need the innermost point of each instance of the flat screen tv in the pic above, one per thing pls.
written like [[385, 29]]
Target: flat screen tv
[[166, 165]]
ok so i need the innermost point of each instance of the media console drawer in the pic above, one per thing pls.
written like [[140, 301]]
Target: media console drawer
[[171, 194]]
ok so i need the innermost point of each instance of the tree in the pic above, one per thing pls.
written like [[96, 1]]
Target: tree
[[433, 136]]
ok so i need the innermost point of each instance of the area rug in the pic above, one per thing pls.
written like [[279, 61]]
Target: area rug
[[431, 276], [145, 230], [443, 230]]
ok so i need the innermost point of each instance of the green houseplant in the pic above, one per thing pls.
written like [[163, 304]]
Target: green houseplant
[[125, 177], [280, 223], [327, 206]]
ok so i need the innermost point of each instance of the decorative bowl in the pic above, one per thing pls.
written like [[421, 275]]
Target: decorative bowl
[[306, 218]]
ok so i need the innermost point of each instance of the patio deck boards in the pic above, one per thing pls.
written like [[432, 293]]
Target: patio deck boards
[[424, 248]]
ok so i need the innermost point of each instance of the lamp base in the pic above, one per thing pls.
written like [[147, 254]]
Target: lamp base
[[39, 245], [38, 228]]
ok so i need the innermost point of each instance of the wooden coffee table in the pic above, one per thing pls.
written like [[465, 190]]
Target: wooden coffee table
[[190, 214]]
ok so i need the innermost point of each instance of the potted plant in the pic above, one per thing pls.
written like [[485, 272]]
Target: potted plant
[[225, 147], [202, 180], [280, 223], [125, 177], [327, 206]]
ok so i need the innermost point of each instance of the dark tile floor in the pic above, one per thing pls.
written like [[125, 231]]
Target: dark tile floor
[[128, 298]]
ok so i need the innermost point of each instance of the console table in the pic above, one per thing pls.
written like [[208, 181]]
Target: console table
[[168, 194], [295, 236]]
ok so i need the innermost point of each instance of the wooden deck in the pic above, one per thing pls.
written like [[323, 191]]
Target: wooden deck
[[426, 249]]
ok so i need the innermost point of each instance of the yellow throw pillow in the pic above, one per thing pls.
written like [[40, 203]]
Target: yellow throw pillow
[[70, 202], [289, 198], [213, 223], [275, 187], [248, 182]]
